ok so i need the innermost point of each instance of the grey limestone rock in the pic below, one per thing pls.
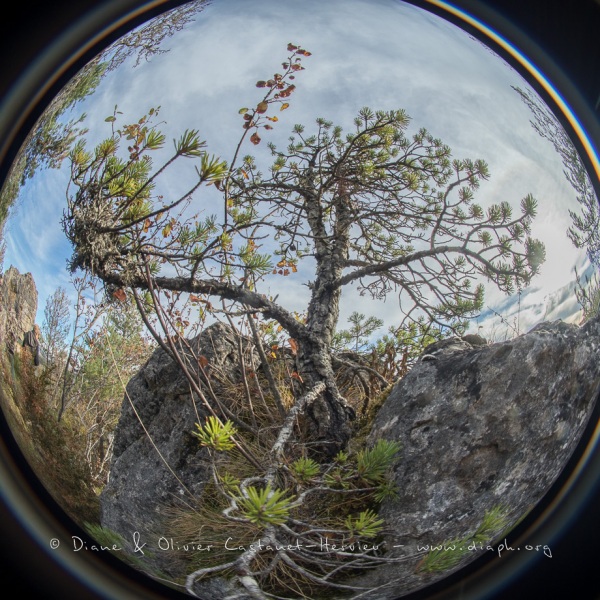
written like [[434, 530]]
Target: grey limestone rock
[[18, 307], [157, 462], [481, 427]]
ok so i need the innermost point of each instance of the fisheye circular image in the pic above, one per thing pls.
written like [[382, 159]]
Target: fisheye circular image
[[299, 300]]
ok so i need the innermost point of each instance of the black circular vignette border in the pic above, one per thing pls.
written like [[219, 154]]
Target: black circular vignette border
[[563, 43]]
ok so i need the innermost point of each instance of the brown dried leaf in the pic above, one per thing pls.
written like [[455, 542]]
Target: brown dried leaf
[[288, 91], [120, 295]]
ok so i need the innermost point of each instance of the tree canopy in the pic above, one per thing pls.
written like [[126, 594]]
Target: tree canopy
[[585, 230], [377, 208], [50, 141]]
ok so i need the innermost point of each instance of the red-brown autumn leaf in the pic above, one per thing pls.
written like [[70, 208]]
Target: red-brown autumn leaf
[[120, 295], [202, 361], [255, 138], [194, 298], [287, 92], [262, 107], [296, 375], [293, 345], [291, 47], [261, 84]]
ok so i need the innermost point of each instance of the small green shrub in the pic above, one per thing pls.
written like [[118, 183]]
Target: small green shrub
[[386, 490], [341, 457], [305, 469], [111, 539], [104, 536], [367, 524], [265, 506], [450, 553], [494, 521], [445, 556], [338, 478], [229, 482], [216, 435], [373, 463]]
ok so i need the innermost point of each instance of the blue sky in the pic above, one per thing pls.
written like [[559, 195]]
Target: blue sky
[[380, 53]]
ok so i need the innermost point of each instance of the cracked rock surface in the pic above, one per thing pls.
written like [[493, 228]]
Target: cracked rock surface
[[481, 427]]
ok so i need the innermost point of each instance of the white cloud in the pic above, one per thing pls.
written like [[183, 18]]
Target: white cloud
[[383, 53]]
